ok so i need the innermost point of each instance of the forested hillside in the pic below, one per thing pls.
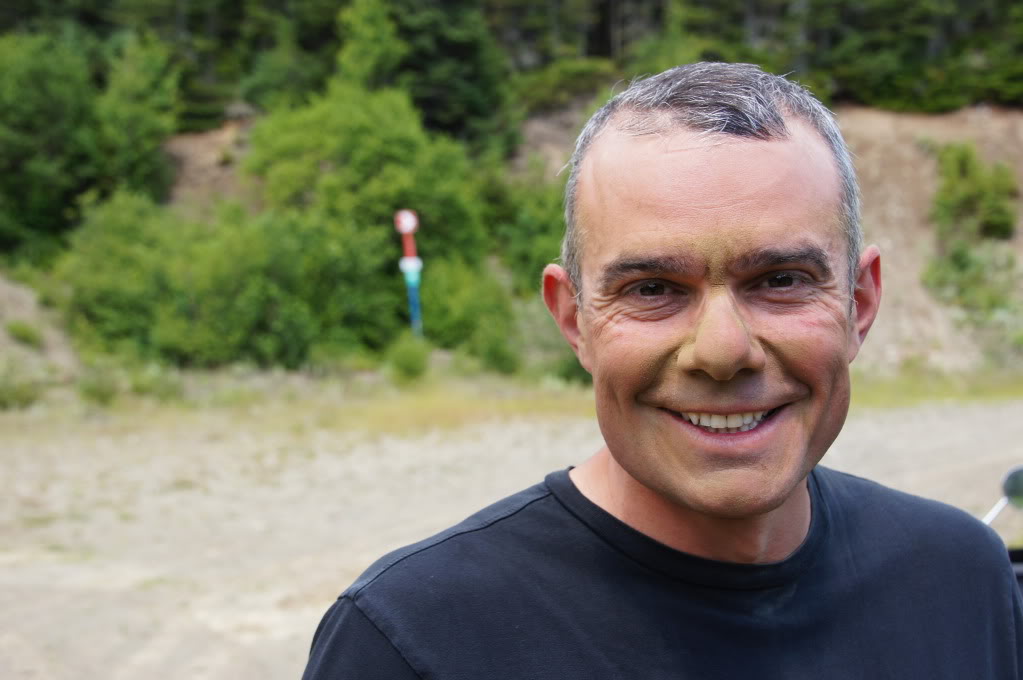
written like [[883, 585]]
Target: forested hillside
[[329, 116]]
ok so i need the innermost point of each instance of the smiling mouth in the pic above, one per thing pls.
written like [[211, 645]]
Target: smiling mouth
[[726, 424]]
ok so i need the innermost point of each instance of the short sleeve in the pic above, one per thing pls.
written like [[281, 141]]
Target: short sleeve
[[347, 646]]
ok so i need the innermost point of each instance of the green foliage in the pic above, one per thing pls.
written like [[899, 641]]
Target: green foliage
[[61, 135], [466, 307], [408, 357], [689, 35], [135, 113], [156, 380], [370, 47], [973, 200], [46, 94], [262, 289], [17, 390], [561, 81], [117, 269], [527, 211], [99, 384], [25, 333], [538, 33], [454, 71], [283, 76], [357, 156], [979, 277], [568, 368], [974, 211], [493, 344]]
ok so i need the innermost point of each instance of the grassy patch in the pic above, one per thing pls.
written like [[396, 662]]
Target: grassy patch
[[17, 390], [913, 387], [38, 521], [447, 405], [99, 384], [25, 333]]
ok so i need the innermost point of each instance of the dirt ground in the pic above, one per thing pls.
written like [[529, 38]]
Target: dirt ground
[[160, 542]]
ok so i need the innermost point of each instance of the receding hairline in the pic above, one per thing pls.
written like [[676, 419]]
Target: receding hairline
[[731, 100], [792, 127]]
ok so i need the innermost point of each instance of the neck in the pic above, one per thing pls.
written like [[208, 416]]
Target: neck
[[769, 537]]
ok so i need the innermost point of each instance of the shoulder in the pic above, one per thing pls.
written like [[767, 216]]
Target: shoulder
[[467, 552], [869, 511], [469, 581]]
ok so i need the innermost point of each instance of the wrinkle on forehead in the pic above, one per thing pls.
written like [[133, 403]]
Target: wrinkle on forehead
[[744, 183]]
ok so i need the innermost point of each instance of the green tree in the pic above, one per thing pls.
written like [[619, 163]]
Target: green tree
[[357, 156], [442, 54], [284, 75], [116, 271], [370, 49], [135, 113], [46, 95]]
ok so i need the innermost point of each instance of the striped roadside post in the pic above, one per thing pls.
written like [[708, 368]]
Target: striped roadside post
[[406, 222]]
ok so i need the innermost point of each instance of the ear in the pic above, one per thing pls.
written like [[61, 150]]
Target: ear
[[559, 296], [866, 297]]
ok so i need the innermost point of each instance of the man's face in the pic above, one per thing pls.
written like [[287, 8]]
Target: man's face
[[715, 288]]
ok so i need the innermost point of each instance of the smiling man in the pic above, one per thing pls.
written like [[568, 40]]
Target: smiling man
[[714, 285]]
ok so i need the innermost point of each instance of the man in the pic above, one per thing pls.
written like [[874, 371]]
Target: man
[[714, 285]]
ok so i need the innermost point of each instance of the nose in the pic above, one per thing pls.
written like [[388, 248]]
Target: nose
[[722, 344]]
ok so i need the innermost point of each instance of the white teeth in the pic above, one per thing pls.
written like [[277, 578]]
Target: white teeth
[[733, 422]]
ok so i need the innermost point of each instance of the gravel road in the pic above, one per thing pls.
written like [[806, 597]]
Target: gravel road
[[201, 547]]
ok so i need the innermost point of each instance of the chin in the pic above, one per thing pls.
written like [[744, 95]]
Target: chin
[[733, 494]]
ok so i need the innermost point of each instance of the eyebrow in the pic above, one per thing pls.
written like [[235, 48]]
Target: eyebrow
[[667, 264], [776, 257], [685, 265]]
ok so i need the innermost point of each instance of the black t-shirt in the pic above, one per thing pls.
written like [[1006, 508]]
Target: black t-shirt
[[545, 584]]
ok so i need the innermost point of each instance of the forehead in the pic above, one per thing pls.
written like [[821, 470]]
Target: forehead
[[709, 196]]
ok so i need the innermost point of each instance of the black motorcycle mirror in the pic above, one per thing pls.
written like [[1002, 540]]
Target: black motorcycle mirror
[[1012, 492]]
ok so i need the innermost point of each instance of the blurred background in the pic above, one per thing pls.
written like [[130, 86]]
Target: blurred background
[[213, 412]]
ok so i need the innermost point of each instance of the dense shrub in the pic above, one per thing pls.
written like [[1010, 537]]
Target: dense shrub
[[99, 384], [527, 212], [978, 277], [465, 306], [25, 333], [62, 134], [283, 76], [357, 156], [155, 380], [974, 200], [136, 111], [17, 389], [262, 289], [974, 211], [46, 95], [563, 80], [408, 357], [117, 270]]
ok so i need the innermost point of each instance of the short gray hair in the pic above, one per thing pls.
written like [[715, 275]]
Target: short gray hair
[[728, 99]]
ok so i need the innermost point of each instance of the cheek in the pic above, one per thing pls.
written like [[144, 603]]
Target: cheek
[[818, 336], [627, 358]]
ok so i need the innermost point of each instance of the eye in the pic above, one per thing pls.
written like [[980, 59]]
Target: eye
[[785, 285], [651, 289], [783, 280]]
